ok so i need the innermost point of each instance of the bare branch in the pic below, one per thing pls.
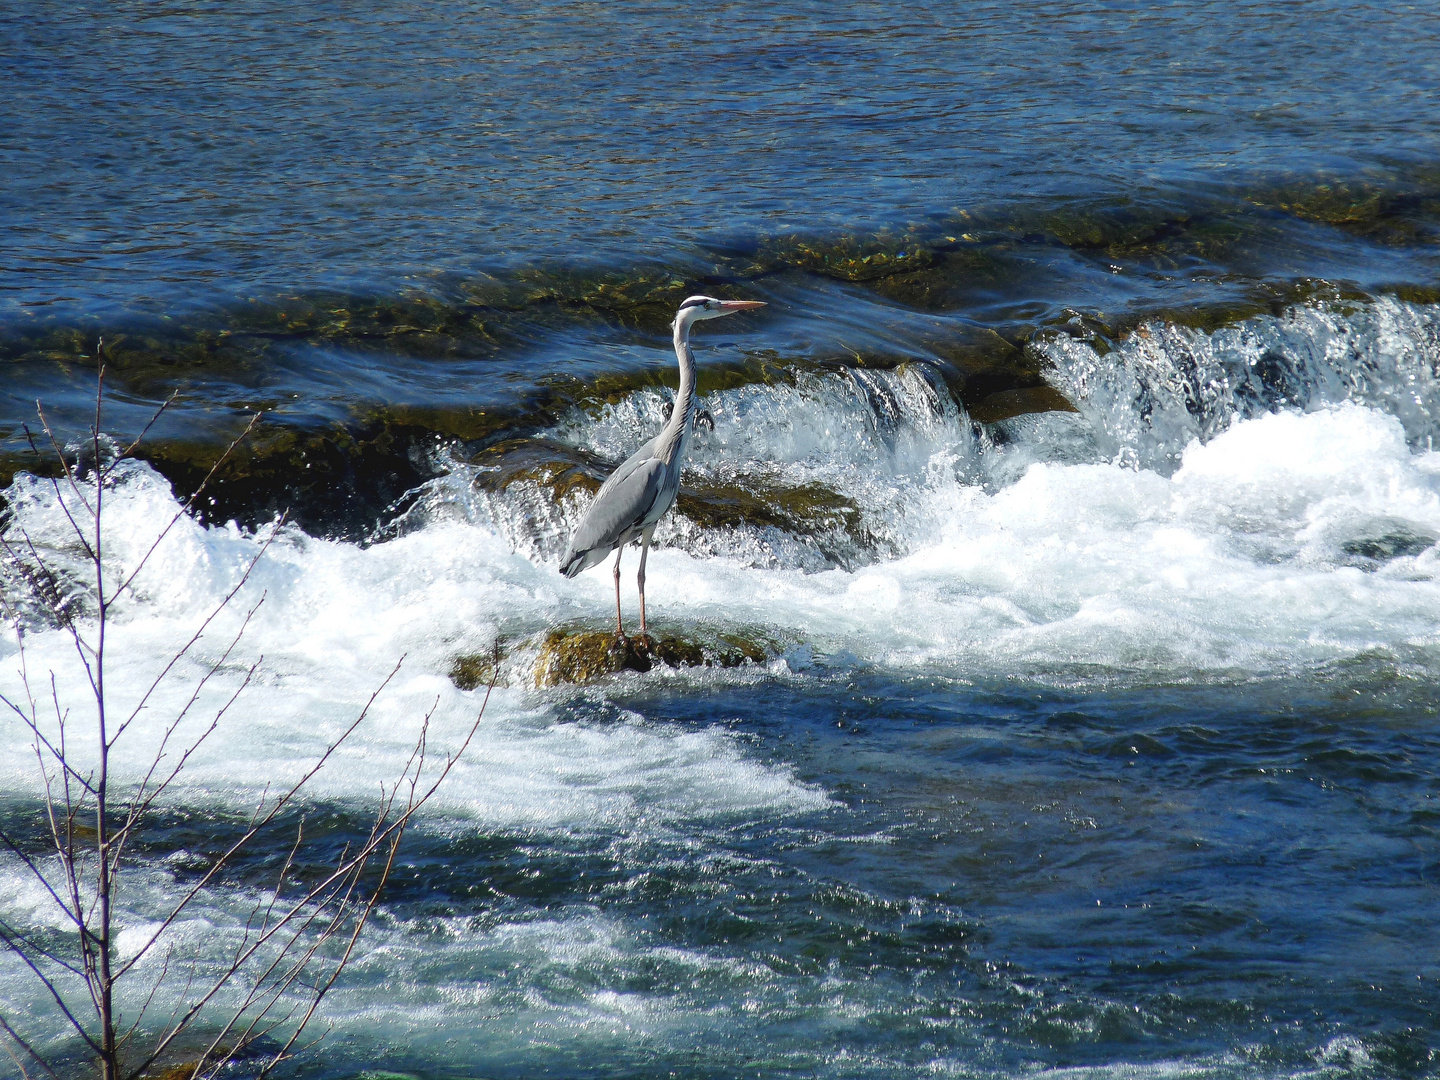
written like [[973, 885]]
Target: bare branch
[[40, 577], [50, 593], [39, 735], [24, 1075], [297, 940], [40, 877], [284, 873], [279, 804], [343, 879], [174, 394], [52, 990], [138, 810], [5, 1026], [64, 462], [345, 957], [74, 525], [199, 632], [150, 997], [17, 941], [142, 802], [187, 504]]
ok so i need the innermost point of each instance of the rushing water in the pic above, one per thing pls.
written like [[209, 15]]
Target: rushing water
[[1080, 482]]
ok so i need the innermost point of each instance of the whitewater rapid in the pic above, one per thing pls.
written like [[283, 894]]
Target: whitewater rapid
[[1286, 540], [1180, 527]]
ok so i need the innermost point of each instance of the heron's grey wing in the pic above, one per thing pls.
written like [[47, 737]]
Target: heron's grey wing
[[620, 505]]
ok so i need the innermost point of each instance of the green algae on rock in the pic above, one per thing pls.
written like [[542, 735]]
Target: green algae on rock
[[338, 449], [833, 523], [806, 509], [855, 258], [1011, 403], [579, 655], [474, 670]]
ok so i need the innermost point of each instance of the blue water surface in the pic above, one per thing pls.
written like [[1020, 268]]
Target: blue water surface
[[1140, 875]]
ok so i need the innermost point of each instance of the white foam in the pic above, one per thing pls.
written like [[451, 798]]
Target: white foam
[[1166, 385], [554, 976], [1236, 561], [335, 619], [1176, 525], [200, 943], [1271, 543], [1279, 541]]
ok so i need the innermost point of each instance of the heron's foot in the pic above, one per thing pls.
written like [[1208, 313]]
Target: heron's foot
[[626, 653]]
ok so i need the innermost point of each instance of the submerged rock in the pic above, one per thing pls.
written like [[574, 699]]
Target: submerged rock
[[577, 655], [1371, 552]]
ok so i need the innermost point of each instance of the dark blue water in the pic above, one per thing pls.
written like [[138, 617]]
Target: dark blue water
[[174, 152], [1101, 741]]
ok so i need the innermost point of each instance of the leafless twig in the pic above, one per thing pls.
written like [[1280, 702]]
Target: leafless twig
[[298, 939]]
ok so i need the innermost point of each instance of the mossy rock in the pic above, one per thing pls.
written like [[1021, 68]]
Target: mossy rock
[[858, 258], [808, 510], [184, 1070], [1010, 403], [736, 650], [554, 466], [1380, 212], [473, 671], [576, 655]]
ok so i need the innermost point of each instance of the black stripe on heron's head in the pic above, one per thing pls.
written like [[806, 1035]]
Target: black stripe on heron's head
[[694, 301]]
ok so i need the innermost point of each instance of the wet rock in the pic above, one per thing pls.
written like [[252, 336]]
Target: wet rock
[[471, 672], [578, 655], [833, 521], [338, 464], [332, 482], [670, 651], [24, 461], [1402, 214], [848, 258], [583, 655], [1008, 403], [805, 510], [1371, 552], [734, 650], [557, 467], [180, 1071]]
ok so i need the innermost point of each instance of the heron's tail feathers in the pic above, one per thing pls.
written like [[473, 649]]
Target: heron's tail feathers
[[577, 561]]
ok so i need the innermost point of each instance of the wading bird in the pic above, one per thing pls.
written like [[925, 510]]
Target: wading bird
[[638, 493]]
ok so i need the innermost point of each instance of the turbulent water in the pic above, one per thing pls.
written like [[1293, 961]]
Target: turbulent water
[[1079, 483]]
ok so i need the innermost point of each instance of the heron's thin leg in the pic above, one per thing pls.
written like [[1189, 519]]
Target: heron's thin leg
[[640, 577], [619, 626]]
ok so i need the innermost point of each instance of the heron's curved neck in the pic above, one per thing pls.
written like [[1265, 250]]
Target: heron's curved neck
[[684, 414]]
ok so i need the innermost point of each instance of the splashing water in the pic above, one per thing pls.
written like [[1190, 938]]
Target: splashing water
[[652, 863]]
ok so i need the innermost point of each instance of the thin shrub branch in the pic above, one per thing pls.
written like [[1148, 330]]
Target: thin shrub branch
[[299, 937]]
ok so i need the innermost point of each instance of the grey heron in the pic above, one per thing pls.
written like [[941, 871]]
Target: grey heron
[[637, 494]]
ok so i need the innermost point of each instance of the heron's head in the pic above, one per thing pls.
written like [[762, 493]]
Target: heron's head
[[696, 308]]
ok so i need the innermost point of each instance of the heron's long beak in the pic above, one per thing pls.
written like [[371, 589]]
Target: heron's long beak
[[729, 307]]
